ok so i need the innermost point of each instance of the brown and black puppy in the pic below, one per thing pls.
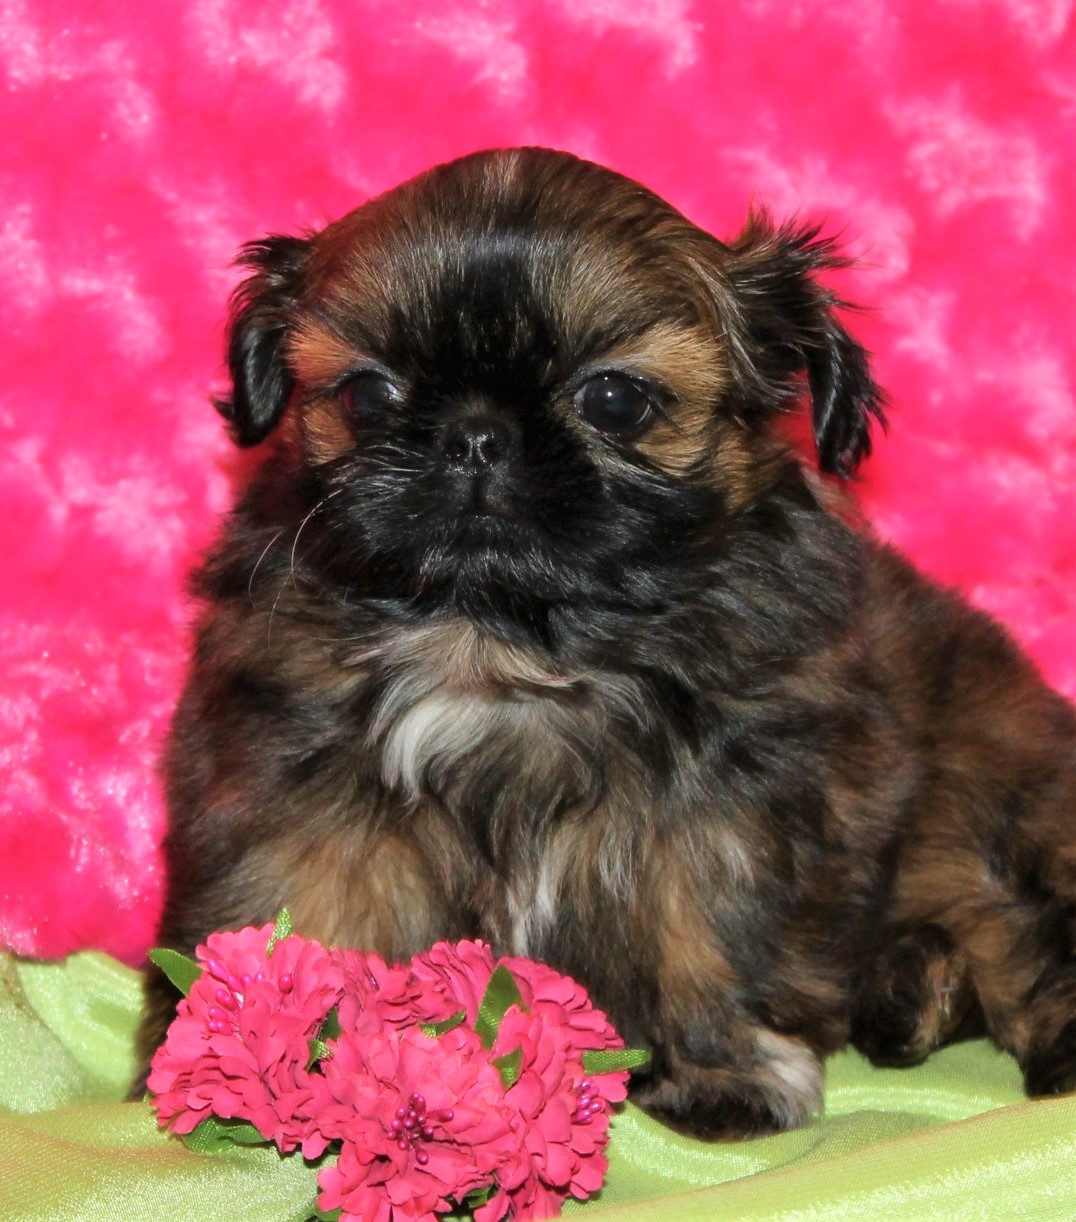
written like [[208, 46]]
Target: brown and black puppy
[[532, 628]]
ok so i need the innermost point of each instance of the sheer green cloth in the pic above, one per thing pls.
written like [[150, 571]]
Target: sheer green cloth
[[951, 1140]]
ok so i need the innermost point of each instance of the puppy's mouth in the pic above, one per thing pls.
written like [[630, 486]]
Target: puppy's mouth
[[478, 514], [482, 525], [483, 529], [481, 556]]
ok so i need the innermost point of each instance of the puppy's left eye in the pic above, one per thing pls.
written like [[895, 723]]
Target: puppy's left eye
[[614, 403]]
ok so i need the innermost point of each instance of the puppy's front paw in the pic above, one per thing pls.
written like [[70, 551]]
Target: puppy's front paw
[[778, 1087], [729, 1113]]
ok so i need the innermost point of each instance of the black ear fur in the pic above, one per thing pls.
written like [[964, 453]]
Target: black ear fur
[[784, 323], [261, 306]]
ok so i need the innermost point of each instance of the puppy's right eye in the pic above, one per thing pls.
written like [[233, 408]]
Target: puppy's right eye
[[367, 393]]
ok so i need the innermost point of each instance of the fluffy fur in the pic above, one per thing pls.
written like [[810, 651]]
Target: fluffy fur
[[532, 627]]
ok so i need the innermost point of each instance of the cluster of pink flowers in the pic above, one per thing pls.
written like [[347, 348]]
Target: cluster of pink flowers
[[452, 1080]]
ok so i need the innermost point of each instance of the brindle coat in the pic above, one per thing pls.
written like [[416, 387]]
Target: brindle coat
[[640, 703]]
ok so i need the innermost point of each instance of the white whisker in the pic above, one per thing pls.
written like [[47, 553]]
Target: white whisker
[[290, 577], [257, 565], [302, 525]]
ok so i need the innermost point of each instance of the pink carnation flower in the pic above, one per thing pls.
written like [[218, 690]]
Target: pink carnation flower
[[450, 977], [561, 1116], [239, 1047], [376, 993], [566, 1005], [418, 1120], [422, 1122]]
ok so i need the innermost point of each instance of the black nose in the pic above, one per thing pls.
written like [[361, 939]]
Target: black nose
[[477, 442]]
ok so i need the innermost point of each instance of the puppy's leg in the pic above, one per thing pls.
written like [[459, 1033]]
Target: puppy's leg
[[633, 918], [989, 850], [1049, 1061], [719, 1071], [913, 997]]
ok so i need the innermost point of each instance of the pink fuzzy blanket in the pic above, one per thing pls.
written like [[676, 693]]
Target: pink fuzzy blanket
[[143, 142]]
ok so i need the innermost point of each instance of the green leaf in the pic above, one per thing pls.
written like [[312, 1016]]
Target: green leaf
[[281, 929], [501, 993], [478, 1197], [323, 1215], [330, 1028], [182, 972], [610, 1060], [508, 1067], [444, 1026], [215, 1136]]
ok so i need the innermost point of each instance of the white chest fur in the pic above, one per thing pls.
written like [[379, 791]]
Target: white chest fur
[[455, 699]]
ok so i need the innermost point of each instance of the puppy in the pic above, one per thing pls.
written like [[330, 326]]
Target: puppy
[[531, 627]]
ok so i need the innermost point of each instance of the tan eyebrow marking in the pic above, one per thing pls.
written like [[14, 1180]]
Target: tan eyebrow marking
[[318, 355]]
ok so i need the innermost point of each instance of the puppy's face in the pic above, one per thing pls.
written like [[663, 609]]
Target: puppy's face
[[521, 381]]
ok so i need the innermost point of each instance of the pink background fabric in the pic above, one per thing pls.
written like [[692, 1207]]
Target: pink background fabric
[[144, 142]]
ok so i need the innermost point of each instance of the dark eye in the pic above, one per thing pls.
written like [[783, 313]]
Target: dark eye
[[368, 393], [613, 403]]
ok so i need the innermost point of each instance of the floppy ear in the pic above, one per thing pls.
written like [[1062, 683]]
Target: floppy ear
[[261, 308], [783, 324]]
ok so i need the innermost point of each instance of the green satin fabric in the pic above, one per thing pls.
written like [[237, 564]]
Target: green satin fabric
[[953, 1140]]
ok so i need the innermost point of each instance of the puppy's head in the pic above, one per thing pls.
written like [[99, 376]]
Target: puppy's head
[[521, 380]]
